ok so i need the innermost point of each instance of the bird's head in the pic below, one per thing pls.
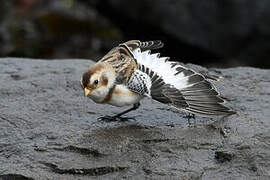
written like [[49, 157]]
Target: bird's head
[[97, 81]]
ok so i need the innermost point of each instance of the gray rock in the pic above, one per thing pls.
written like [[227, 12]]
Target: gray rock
[[231, 29], [49, 130]]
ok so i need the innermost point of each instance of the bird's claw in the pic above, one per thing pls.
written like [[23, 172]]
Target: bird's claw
[[189, 117]]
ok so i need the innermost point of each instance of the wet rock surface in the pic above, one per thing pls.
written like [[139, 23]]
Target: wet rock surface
[[49, 130]]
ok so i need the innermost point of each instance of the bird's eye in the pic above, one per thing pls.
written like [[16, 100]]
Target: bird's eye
[[96, 82]]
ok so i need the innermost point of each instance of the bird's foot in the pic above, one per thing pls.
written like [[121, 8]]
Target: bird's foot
[[189, 117], [114, 118]]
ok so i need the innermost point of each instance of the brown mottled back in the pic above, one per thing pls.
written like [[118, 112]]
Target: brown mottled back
[[122, 59]]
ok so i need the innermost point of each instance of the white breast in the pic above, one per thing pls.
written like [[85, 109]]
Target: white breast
[[122, 96]]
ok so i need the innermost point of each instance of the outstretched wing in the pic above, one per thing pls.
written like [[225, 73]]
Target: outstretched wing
[[181, 87]]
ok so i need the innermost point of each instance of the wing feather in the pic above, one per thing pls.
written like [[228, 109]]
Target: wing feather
[[182, 87], [148, 45]]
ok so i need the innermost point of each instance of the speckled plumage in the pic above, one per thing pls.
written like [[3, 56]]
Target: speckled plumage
[[140, 83], [130, 72]]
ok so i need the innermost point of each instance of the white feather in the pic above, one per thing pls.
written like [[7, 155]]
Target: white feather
[[162, 68]]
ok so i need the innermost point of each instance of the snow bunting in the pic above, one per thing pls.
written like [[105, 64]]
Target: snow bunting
[[129, 72]]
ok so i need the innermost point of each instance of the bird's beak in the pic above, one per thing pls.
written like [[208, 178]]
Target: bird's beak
[[87, 92]]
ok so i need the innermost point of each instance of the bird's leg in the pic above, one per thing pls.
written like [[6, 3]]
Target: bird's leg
[[189, 117], [118, 116], [135, 106]]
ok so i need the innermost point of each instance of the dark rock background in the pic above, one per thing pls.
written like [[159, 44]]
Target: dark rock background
[[233, 31], [211, 32], [49, 130]]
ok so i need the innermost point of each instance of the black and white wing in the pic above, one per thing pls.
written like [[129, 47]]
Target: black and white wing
[[171, 83], [148, 45], [140, 83]]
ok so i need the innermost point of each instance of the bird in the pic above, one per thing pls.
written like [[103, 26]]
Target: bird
[[130, 72]]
